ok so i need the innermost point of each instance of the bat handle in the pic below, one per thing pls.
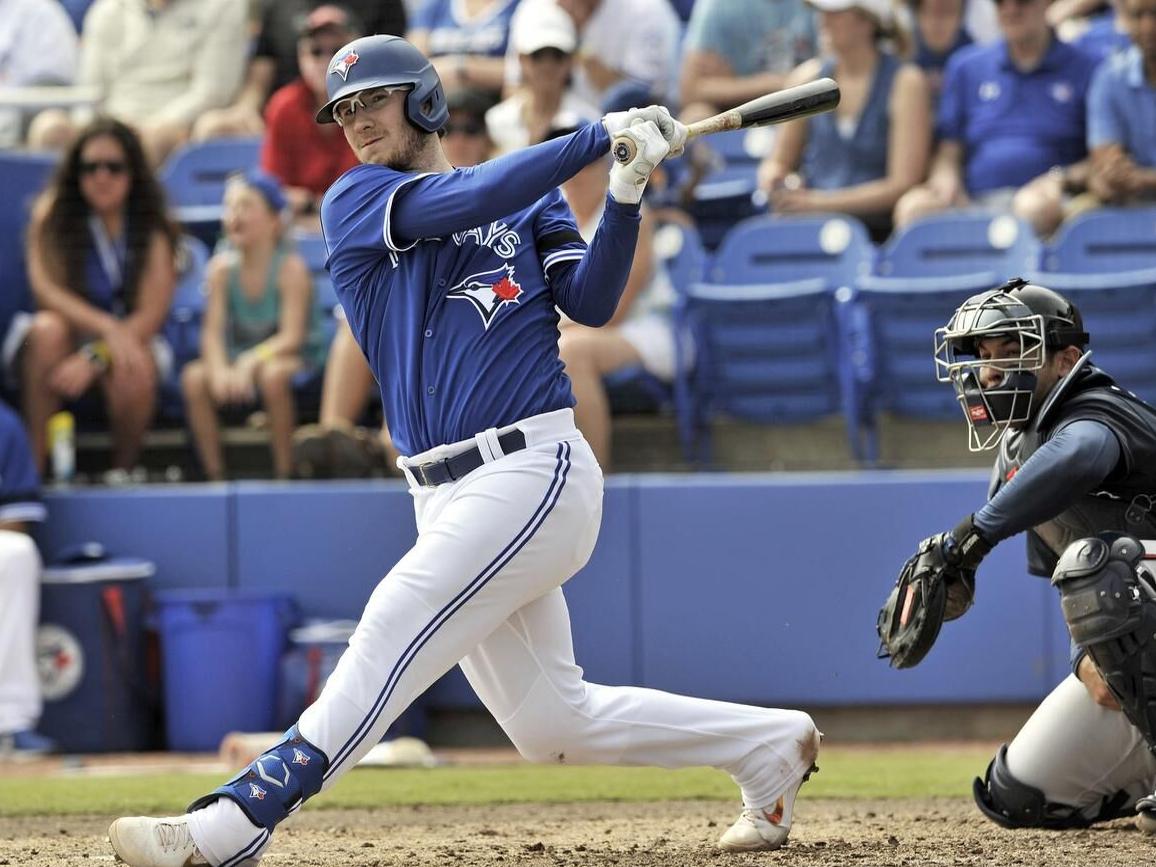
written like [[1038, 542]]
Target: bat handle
[[623, 148]]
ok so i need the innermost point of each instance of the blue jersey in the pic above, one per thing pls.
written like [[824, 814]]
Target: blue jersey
[[450, 282], [1014, 125], [19, 482]]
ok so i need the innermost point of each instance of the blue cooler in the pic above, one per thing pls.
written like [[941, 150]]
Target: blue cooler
[[92, 653], [314, 650], [220, 652]]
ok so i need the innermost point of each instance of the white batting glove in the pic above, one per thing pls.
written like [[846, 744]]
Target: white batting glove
[[672, 130], [628, 180]]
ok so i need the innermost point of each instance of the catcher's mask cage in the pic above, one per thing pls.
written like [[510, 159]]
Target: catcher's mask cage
[[1004, 313]]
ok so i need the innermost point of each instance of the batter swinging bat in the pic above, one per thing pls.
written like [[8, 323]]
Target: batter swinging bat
[[804, 100]]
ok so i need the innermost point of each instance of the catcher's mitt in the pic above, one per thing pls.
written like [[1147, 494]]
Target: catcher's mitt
[[936, 584]]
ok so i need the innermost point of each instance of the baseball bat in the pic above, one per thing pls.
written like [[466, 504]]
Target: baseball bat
[[804, 100]]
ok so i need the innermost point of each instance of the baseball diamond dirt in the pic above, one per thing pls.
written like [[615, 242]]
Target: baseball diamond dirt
[[828, 832]]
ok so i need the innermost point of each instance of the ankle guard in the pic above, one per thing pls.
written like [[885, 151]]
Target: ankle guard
[[276, 783], [1109, 603]]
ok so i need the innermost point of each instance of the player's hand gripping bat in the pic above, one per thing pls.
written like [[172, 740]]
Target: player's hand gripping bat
[[814, 97]]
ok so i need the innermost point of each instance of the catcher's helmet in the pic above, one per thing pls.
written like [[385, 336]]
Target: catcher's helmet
[[385, 61], [1039, 319]]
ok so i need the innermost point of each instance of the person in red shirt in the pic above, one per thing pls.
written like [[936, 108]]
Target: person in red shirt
[[304, 155]]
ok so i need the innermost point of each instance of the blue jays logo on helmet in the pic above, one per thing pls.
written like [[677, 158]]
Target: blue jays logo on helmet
[[489, 291], [387, 61]]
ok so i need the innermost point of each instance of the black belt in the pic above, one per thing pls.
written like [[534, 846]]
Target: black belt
[[436, 473]]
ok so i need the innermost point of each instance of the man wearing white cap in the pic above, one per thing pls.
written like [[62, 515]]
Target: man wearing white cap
[[544, 38]]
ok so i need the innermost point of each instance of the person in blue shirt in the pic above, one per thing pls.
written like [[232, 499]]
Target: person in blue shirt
[[1010, 124], [466, 40], [1122, 115], [20, 507], [452, 280], [1106, 33]]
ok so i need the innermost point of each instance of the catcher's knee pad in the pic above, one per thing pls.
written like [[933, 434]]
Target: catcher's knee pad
[[1014, 804], [1109, 603], [276, 783]]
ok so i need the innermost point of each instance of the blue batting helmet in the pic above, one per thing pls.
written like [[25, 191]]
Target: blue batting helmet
[[385, 61]]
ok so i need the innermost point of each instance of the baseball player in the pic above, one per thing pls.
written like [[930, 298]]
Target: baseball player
[[20, 506], [1077, 470], [450, 279]]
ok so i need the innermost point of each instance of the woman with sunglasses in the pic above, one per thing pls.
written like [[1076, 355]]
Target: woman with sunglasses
[[101, 262]]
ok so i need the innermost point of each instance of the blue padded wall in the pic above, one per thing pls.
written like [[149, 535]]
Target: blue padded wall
[[766, 588], [185, 529]]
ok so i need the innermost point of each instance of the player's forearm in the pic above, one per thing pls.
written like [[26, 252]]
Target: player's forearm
[[588, 292], [1061, 471], [456, 201]]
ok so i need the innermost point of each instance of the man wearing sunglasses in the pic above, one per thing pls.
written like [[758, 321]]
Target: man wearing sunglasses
[[451, 280]]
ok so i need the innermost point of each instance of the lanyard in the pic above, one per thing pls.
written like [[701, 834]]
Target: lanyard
[[112, 255]]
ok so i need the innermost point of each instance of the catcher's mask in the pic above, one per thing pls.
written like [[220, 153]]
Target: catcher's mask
[[1036, 320]]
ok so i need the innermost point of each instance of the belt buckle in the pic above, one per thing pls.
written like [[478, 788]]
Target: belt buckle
[[423, 475]]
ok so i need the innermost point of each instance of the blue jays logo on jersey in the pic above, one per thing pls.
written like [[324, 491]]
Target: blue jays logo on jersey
[[342, 65], [489, 291], [257, 792]]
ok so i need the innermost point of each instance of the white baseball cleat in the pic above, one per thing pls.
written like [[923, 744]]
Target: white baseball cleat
[[140, 841], [767, 828]]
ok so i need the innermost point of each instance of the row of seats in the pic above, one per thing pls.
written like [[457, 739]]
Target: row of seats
[[794, 319]]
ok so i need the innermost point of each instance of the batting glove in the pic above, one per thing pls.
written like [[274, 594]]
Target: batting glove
[[672, 130], [628, 180]]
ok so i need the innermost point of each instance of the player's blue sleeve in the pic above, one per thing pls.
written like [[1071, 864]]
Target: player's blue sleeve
[[437, 204], [1078, 458], [19, 481], [587, 284]]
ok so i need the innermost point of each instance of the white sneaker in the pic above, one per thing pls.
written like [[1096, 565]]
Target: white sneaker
[[140, 841], [767, 828]]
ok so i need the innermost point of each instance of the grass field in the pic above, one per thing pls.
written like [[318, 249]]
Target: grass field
[[846, 772]]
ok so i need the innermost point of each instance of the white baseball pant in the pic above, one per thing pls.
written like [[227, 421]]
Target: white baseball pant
[[20, 704]]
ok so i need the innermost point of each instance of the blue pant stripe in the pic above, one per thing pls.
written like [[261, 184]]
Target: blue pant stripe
[[553, 492], [248, 851]]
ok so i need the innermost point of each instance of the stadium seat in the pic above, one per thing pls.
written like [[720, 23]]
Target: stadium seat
[[182, 328], [923, 273], [1105, 262], [194, 180], [764, 328], [307, 383], [729, 192]]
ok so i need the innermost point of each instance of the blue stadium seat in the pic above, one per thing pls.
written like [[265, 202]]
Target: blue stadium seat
[[924, 272], [194, 180], [764, 329], [182, 327], [729, 193], [1105, 262]]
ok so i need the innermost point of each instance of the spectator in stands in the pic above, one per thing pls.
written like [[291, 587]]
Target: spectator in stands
[[349, 384], [259, 329], [274, 63], [38, 46], [102, 266], [621, 43], [860, 158], [938, 32], [1009, 113], [305, 156], [466, 40], [736, 50], [1122, 115], [544, 39], [641, 332], [20, 506], [157, 65]]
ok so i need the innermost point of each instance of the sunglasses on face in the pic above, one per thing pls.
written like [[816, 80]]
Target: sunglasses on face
[[319, 51], [555, 54], [1017, 2], [367, 100], [467, 128], [113, 167]]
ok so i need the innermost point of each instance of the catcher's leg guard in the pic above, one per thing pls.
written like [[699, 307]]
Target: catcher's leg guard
[[1109, 603], [1014, 804], [276, 783]]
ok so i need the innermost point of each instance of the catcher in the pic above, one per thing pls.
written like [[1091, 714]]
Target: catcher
[[1076, 469]]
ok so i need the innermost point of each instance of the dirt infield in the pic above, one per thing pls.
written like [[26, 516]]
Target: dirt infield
[[827, 833]]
